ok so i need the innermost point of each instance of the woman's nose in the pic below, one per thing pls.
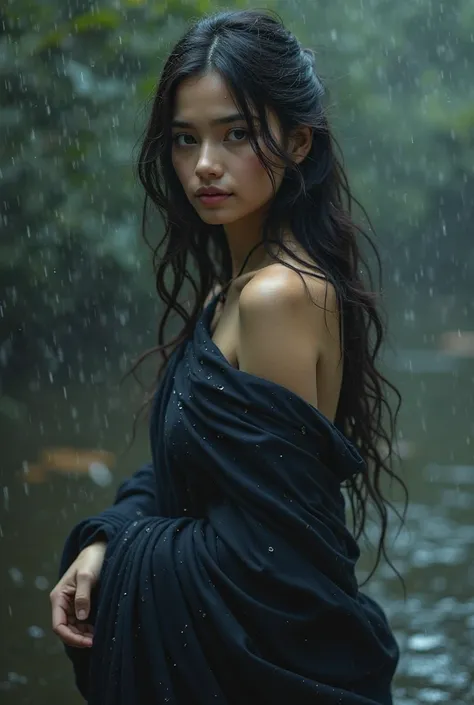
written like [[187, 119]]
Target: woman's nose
[[209, 163]]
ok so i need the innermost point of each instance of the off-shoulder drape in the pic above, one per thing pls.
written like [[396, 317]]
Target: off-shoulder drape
[[229, 573]]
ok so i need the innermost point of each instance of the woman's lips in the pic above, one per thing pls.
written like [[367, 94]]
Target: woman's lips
[[213, 199]]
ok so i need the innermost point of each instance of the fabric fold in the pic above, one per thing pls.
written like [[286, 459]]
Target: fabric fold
[[239, 587]]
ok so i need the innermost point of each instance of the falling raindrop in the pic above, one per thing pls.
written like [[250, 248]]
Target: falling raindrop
[[16, 575], [35, 632], [100, 474], [41, 582]]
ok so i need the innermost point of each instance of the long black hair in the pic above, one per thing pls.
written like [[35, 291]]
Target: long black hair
[[265, 67]]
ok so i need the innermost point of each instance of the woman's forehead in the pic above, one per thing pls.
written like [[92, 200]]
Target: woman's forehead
[[208, 93], [207, 100]]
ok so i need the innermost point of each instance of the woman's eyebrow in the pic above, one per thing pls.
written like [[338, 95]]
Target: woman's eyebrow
[[235, 117]]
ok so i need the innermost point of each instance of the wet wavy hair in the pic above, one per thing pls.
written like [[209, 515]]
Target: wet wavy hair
[[265, 66]]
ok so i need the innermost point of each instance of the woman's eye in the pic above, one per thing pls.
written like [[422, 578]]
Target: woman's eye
[[183, 139], [241, 134], [182, 136]]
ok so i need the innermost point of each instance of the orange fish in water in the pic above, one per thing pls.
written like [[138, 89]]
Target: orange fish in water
[[34, 474], [66, 461], [73, 460]]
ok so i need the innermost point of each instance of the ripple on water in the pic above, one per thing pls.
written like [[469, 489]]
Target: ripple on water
[[426, 667], [424, 642], [432, 695]]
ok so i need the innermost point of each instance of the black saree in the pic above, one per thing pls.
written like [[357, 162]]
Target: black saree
[[229, 572]]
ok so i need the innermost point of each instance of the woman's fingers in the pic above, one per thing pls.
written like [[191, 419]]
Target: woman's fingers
[[84, 581], [65, 624], [60, 602], [71, 598], [71, 636]]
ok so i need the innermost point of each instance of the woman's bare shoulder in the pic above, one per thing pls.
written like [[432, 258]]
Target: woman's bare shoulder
[[279, 281]]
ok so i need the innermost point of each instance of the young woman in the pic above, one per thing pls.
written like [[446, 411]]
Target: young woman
[[224, 572]]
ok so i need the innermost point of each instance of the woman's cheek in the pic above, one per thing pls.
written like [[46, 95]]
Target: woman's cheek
[[253, 174], [257, 180], [177, 167], [183, 177], [253, 162]]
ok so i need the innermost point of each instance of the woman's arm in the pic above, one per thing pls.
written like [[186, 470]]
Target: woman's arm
[[135, 499]]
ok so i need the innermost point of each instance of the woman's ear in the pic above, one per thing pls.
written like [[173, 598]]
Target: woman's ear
[[300, 143]]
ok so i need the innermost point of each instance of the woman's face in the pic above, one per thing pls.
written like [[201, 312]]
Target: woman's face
[[211, 148]]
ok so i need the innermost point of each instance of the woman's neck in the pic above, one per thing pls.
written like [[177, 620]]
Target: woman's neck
[[247, 251]]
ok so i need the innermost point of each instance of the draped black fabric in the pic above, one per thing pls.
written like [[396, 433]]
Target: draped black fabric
[[229, 572]]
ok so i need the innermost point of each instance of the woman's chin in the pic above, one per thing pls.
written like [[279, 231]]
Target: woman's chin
[[215, 217]]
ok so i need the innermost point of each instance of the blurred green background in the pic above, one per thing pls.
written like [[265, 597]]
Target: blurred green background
[[77, 292]]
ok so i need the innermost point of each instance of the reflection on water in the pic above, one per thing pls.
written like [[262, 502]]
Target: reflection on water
[[434, 553], [435, 625]]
